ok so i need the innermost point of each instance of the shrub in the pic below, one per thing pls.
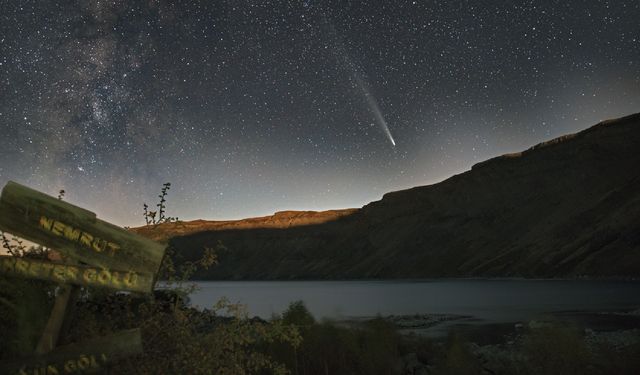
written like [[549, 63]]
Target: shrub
[[369, 348], [457, 358], [556, 349]]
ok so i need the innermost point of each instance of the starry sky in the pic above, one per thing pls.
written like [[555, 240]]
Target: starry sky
[[249, 107]]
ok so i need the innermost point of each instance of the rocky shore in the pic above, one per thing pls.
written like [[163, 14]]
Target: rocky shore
[[561, 335], [422, 321]]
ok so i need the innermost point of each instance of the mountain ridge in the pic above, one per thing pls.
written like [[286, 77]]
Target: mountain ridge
[[566, 207]]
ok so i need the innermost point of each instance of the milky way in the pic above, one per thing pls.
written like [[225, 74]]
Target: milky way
[[247, 107]]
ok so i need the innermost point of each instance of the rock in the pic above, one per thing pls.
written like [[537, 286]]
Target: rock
[[421, 320], [634, 312], [615, 340]]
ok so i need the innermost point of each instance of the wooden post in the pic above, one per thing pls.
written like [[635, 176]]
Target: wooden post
[[49, 338], [69, 314], [60, 318]]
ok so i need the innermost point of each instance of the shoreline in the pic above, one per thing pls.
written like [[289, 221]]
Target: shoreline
[[439, 325], [431, 279]]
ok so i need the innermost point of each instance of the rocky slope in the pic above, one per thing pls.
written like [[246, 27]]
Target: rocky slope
[[564, 208], [279, 220]]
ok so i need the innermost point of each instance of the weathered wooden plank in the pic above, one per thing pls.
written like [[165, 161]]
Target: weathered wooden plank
[[83, 357], [49, 338], [69, 313], [75, 232], [77, 274]]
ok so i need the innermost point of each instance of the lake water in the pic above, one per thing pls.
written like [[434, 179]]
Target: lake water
[[485, 300]]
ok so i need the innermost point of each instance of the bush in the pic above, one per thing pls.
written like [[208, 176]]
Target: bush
[[457, 358], [370, 348], [556, 349], [24, 307], [298, 314]]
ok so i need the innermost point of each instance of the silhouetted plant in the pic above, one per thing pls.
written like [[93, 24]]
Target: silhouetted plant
[[15, 246], [7, 245], [161, 204], [147, 216], [150, 216]]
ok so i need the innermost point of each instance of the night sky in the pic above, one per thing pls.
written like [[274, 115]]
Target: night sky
[[251, 107]]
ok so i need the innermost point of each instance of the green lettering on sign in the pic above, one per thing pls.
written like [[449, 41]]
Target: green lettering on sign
[[76, 274], [87, 356]]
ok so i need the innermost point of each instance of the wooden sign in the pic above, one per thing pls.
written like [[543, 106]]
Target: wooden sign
[[84, 357], [98, 254], [75, 232], [76, 274]]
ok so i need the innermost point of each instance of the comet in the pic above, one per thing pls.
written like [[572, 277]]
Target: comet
[[373, 106], [344, 59]]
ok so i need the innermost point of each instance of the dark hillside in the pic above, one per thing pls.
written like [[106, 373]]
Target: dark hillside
[[564, 208]]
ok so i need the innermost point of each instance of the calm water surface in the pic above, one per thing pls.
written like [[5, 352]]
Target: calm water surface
[[486, 300]]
